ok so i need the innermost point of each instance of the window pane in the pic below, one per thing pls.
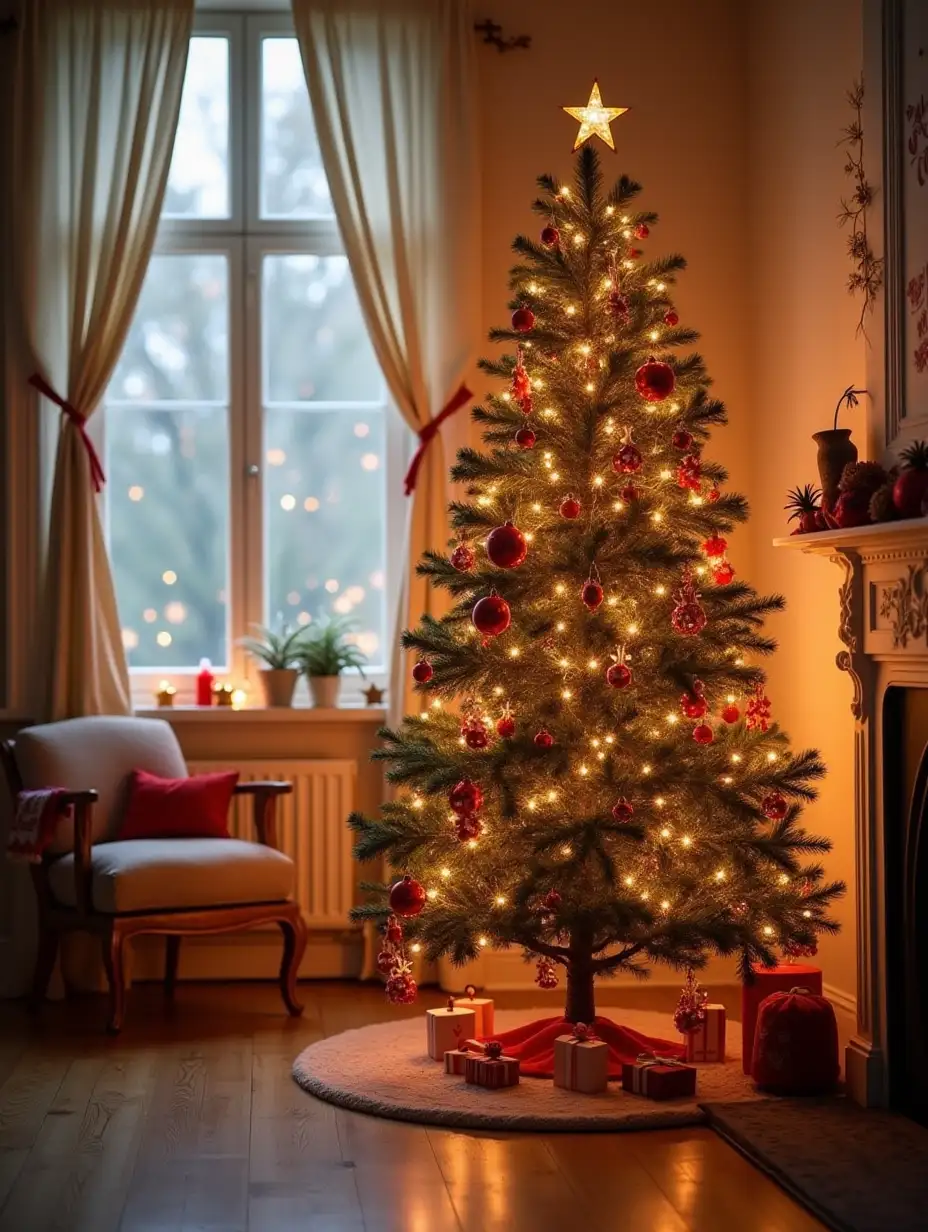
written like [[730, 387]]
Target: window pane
[[178, 345], [324, 520], [293, 183], [316, 347], [168, 520], [198, 182]]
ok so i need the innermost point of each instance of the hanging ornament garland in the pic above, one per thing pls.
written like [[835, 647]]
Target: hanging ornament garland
[[627, 460], [689, 473], [520, 387], [693, 704], [758, 710], [465, 797], [546, 974], [688, 617]]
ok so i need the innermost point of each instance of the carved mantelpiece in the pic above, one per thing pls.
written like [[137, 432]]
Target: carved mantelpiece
[[883, 626]]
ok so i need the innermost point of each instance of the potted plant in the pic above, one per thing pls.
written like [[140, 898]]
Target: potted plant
[[835, 451], [324, 655], [279, 651]]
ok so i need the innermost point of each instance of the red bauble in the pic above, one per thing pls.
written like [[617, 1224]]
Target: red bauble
[[629, 493], [622, 810], [407, 897], [642, 231], [476, 737], [468, 827], [694, 705], [570, 507], [422, 673], [634, 252], [465, 797], [619, 676], [393, 933], [688, 617], [682, 439], [523, 319], [551, 901], [544, 739], [689, 472], [671, 318], [386, 961], [525, 438], [491, 615], [506, 726], [506, 547], [592, 594], [715, 545], [618, 305], [723, 573], [627, 460], [703, 734], [655, 380], [401, 989], [714, 495], [774, 806], [463, 559], [550, 236], [731, 713]]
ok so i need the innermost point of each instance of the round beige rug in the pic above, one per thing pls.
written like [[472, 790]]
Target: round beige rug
[[385, 1070]]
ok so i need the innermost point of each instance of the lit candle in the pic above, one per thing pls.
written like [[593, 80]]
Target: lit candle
[[164, 695]]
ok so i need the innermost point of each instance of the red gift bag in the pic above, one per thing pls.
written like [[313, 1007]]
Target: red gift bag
[[796, 1044], [766, 981]]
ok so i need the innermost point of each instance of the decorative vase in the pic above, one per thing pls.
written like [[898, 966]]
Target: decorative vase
[[279, 684], [324, 690], [835, 451]]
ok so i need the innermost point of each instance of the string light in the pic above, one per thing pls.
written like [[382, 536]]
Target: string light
[[446, 873], [513, 652], [660, 590], [736, 757], [646, 769], [567, 695], [686, 841], [768, 931], [501, 900], [720, 874], [771, 756], [665, 832], [482, 941]]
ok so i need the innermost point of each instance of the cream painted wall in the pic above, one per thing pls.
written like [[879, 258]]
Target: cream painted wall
[[802, 59]]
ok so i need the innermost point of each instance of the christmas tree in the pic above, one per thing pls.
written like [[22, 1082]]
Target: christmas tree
[[594, 776]]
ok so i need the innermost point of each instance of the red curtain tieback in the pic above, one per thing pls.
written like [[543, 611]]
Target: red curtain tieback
[[96, 467], [430, 430]]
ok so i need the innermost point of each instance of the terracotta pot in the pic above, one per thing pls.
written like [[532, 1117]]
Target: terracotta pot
[[324, 691], [278, 684], [835, 451]]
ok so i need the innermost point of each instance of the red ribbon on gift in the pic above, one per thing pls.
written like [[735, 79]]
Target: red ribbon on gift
[[80, 422], [583, 1033], [430, 431]]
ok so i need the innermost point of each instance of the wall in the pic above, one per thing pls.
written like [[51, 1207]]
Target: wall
[[802, 59]]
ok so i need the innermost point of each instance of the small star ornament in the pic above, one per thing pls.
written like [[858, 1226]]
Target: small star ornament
[[595, 119], [373, 696]]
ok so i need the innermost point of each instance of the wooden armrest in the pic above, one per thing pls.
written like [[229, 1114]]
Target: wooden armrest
[[270, 788], [82, 803], [265, 807]]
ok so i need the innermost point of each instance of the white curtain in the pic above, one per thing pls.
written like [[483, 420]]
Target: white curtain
[[96, 101], [393, 90]]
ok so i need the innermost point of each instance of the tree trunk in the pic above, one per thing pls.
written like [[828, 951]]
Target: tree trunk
[[581, 1005]]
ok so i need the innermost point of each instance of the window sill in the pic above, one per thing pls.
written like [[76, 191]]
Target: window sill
[[257, 714]]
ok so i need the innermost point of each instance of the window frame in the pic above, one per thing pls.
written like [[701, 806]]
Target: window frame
[[246, 238]]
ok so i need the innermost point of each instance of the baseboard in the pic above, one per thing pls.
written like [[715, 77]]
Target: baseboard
[[844, 1001]]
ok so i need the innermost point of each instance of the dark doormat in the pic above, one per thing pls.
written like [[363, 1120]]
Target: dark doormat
[[857, 1169]]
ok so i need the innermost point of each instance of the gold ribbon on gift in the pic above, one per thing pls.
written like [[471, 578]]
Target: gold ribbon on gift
[[651, 1058]]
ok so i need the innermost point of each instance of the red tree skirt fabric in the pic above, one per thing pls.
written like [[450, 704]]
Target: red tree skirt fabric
[[533, 1044]]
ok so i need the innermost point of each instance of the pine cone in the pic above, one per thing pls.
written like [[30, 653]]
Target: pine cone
[[860, 477], [882, 506]]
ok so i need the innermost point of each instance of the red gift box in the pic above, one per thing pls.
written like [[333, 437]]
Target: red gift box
[[707, 1042], [491, 1072], [768, 980], [659, 1078], [454, 1061]]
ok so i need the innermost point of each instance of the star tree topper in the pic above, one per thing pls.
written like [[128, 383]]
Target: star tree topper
[[595, 119]]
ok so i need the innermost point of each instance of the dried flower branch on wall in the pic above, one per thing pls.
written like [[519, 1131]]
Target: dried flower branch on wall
[[867, 276]]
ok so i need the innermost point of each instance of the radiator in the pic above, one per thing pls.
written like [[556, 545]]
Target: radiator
[[311, 829]]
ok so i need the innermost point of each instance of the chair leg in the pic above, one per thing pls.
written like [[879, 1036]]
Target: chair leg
[[171, 956], [294, 931], [45, 957], [113, 949]]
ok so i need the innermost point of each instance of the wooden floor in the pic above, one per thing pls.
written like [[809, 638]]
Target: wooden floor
[[190, 1121]]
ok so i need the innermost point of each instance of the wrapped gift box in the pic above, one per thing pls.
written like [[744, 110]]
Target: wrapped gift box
[[768, 980], [447, 1028], [707, 1042], [659, 1078], [482, 1006], [581, 1064], [492, 1072], [454, 1061]]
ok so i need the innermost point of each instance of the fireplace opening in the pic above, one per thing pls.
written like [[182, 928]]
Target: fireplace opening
[[905, 760]]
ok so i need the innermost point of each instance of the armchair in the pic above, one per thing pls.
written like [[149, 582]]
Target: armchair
[[90, 881]]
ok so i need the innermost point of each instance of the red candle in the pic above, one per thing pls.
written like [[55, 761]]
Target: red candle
[[205, 680]]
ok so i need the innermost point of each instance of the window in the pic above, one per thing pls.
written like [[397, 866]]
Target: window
[[254, 465]]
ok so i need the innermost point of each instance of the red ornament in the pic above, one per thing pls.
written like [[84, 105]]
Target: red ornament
[[634, 252], [774, 806], [795, 949], [523, 319], [401, 988], [694, 705], [407, 897], [629, 493], [682, 439], [671, 318], [713, 496], [491, 615], [628, 459], [544, 739], [422, 673], [393, 933], [619, 676], [468, 827], [506, 546], [552, 900], [465, 797], [591, 593], [688, 616], [715, 546], [506, 725], [758, 710], [723, 573], [525, 438], [476, 735], [655, 380], [703, 734], [642, 231], [546, 974], [622, 810], [570, 507], [618, 305], [386, 961], [689, 473], [731, 713], [462, 558], [550, 236]]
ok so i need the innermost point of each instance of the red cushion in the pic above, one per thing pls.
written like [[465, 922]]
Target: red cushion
[[796, 1044], [197, 807]]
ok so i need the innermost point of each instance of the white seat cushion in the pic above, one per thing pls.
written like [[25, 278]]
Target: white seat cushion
[[170, 874]]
